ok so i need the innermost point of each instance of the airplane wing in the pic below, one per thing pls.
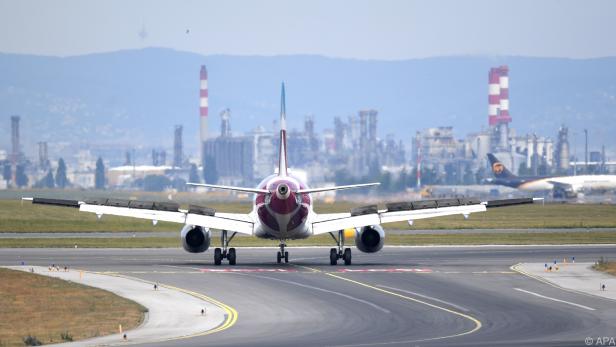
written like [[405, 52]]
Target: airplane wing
[[158, 211], [406, 211]]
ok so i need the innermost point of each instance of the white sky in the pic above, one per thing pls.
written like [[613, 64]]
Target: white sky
[[379, 29]]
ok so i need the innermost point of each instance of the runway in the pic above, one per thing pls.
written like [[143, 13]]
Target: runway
[[407, 296]]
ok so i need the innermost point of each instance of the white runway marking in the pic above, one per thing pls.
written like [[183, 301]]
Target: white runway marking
[[554, 299], [373, 305], [414, 270], [425, 297]]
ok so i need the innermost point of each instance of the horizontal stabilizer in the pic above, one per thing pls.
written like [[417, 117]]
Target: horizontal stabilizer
[[237, 189], [325, 189]]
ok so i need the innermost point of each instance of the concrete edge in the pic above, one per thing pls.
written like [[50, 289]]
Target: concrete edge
[[228, 319], [516, 268]]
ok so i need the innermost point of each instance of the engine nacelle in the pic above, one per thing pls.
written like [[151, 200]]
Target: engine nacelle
[[195, 239], [370, 239]]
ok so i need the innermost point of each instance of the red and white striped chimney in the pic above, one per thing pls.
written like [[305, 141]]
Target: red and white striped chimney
[[494, 94], [203, 105], [503, 116]]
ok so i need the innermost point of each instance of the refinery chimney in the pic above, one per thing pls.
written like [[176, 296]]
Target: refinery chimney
[[177, 147], [15, 155], [498, 107], [493, 96], [203, 106], [503, 81], [225, 123]]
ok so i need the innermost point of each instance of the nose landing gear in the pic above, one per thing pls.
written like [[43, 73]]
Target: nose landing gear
[[282, 254]]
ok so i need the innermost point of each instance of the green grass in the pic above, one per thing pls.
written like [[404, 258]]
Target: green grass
[[594, 237], [54, 311], [606, 266], [526, 217], [16, 216]]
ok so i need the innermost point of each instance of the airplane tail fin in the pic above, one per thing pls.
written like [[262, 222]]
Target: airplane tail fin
[[282, 153], [498, 169]]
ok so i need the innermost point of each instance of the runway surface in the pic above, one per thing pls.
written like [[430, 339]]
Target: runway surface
[[415, 296]]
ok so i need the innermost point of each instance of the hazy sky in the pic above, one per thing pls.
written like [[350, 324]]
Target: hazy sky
[[380, 29]]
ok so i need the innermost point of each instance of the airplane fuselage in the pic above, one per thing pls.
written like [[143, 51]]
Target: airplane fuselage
[[282, 214], [577, 183]]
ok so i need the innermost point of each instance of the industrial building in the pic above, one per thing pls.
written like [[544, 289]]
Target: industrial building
[[528, 154], [350, 150]]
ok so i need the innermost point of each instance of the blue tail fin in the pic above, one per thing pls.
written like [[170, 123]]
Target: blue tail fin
[[498, 169]]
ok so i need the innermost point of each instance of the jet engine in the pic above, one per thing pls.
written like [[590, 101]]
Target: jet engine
[[195, 239], [370, 239]]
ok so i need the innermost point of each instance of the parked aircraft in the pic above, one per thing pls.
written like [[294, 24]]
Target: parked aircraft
[[560, 185]]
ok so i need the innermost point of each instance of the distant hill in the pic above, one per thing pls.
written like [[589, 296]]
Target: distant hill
[[137, 96]]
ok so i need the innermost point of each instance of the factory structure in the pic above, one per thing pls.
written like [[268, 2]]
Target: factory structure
[[463, 161], [349, 151]]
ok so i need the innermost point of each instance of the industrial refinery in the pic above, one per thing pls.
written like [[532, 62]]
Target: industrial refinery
[[348, 150]]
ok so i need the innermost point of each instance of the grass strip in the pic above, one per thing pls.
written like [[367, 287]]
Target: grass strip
[[51, 310], [16, 216], [606, 266]]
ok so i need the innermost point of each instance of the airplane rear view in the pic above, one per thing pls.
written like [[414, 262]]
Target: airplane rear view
[[283, 210]]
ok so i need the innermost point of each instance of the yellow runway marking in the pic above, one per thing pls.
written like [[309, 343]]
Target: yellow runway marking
[[477, 323], [231, 315]]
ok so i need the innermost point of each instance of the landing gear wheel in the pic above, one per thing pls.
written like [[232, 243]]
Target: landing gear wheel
[[278, 257], [231, 256], [286, 257], [217, 256], [347, 256], [333, 256]]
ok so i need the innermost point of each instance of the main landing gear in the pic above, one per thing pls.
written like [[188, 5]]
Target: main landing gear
[[282, 254], [224, 253], [341, 252]]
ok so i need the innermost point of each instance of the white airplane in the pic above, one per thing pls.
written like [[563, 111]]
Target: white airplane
[[567, 185], [282, 211]]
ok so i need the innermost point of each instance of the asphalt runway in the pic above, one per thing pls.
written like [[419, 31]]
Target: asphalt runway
[[406, 296]]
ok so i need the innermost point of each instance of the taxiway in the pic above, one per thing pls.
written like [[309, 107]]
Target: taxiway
[[407, 296]]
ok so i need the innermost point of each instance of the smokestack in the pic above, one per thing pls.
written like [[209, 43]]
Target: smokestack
[[203, 108], [419, 158], [225, 123], [177, 147], [15, 157], [43, 158], [15, 138], [493, 96], [586, 151], [503, 81], [372, 117]]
